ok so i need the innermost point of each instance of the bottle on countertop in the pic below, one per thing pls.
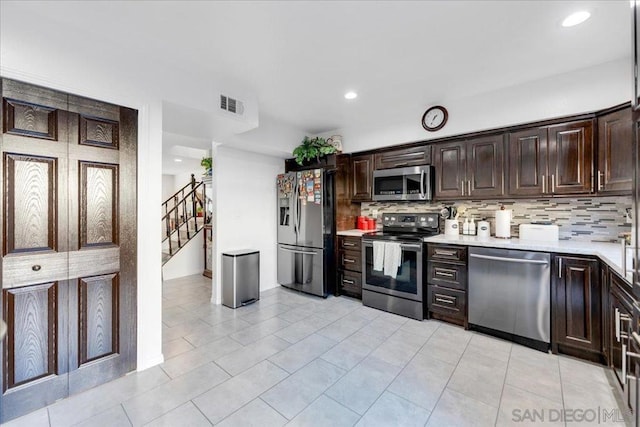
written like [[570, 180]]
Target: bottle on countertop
[[472, 227], [465, 226]]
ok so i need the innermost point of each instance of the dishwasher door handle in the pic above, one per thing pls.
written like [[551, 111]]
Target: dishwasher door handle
[[515, 260]]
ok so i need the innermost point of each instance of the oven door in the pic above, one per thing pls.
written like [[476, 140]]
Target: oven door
[[407, 283]]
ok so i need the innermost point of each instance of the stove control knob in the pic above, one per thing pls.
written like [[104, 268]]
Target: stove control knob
[[393, 218]]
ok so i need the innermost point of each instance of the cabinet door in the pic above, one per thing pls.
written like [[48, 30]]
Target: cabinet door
[[527, 159], [577, 303], [451, 171], [615, 152], [362, 177], [485, 166], [414, 156], [571, 157]]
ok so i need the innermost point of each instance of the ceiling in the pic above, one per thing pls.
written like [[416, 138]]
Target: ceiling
[[300, 57]]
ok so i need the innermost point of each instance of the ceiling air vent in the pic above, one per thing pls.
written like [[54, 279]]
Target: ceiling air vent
[[231, 105]]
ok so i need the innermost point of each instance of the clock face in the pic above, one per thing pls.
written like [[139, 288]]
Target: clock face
[[434, 118]]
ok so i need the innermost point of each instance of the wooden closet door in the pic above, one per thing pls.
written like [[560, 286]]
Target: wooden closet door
[[102, 242], [69, 245], [34, 215]]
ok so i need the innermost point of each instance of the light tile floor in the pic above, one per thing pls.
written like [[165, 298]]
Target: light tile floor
[[305, 361]]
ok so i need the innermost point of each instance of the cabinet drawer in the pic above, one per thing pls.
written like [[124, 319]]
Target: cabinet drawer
[[449, 302], [415, 156], [350, 243], [447, 253], [350, 282], [350, 260], [449, 275]]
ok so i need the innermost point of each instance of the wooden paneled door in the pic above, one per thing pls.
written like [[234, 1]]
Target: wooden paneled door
[[527, 162], [615, 152], [451, 173], [485, 166], [68, 241], [571, 157]]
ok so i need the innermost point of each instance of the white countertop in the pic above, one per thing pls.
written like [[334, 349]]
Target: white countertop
[[610, 253]]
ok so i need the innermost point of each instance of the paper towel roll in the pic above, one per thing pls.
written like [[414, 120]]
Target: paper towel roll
[[503, 223]]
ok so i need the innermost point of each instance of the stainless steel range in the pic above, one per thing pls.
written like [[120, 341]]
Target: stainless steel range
[[392, 263]]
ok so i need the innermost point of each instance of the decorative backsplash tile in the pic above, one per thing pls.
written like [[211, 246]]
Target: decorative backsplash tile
[[597, 219]]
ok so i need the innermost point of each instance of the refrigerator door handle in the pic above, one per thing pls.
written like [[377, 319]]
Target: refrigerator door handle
[[299, 251]]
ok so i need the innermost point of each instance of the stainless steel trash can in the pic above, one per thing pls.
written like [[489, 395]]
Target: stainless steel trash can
[[240, 277]]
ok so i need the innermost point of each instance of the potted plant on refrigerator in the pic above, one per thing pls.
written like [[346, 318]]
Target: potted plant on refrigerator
[[313, 149]]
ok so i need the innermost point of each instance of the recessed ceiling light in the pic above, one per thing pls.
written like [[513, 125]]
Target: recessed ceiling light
[[576, 18], [177, 160], [351, 95]]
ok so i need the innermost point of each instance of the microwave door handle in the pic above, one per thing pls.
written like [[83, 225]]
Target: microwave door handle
[[422, 189]]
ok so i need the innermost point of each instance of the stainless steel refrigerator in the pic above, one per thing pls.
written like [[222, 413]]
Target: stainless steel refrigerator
[[306, 231]]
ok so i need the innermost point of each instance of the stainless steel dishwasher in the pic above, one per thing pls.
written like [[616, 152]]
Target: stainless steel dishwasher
[[510, 293]]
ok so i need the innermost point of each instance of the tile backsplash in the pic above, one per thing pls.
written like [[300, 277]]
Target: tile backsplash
[[598, 219]]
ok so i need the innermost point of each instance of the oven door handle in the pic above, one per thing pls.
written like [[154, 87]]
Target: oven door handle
[[369, 243]]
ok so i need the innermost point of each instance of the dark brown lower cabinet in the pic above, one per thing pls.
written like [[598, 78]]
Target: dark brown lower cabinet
[[349, 262], [577, 307], [619, 313], [446, 283]]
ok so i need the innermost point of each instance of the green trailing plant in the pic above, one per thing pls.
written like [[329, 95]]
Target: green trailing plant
[[206, 163], [312, 148]]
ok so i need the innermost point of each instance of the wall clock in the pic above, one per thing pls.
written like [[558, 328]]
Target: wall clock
[[435, 118]]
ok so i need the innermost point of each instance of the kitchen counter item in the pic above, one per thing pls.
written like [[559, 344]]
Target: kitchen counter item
[[540, 232], [510, 292], [503, 223], [484, 229], [451, 227]]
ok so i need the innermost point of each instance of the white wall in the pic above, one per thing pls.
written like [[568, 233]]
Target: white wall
[[581, 91], [168, 185], [189, 260], [245, 206]]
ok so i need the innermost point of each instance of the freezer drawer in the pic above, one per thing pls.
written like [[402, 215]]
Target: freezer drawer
[[510, 291], [301, 268]]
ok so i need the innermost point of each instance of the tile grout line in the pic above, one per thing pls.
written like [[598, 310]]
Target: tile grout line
[[504, 382], [447, 384]]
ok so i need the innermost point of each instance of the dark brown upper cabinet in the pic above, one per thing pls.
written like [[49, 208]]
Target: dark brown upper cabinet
[[451, 170], [614, 172], [571, 157], [485, 166], [362, 177], [557, 159], [414, 156], [527, 154], [470, 168]]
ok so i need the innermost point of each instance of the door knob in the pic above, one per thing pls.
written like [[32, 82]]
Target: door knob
[[36, 267]]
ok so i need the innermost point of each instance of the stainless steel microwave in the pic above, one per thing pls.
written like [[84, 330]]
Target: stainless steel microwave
[[413, 183]]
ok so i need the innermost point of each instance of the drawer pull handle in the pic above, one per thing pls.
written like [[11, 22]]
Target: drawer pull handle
[[36, 268], [447, 301], [348, 244], [350, 282], [444, 273], [347, 260], [445, 253]]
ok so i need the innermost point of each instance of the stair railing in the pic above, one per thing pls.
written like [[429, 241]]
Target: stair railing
[[178, 216]]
